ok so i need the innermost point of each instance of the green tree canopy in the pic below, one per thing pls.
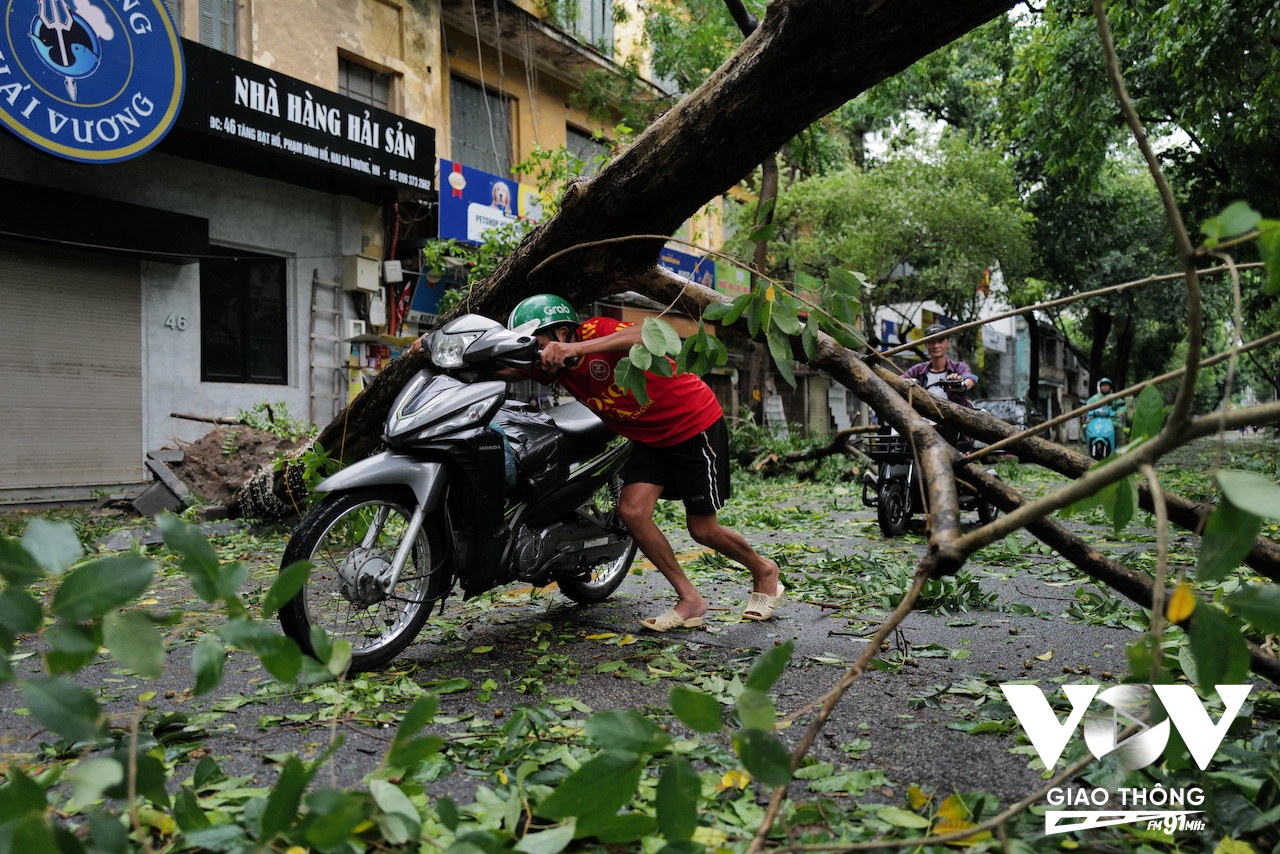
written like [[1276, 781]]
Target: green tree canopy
[[924, 225]]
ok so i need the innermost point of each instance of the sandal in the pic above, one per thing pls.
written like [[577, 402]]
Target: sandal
[[762, 605], [669, 620]]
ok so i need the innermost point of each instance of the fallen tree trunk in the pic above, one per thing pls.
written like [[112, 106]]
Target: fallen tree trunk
[[1134, 585], [805, 59], [1190, 515]]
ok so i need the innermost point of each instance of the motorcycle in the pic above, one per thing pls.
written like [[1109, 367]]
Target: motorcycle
[[396, 531], [897, 493], [1100, 432]]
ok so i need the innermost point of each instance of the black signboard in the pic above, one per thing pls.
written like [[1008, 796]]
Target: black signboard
[[299, 128]]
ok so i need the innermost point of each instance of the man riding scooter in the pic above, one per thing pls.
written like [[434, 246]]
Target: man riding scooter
[[1103, 424]]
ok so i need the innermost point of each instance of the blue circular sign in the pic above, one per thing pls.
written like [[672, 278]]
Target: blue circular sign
[[96, 81]]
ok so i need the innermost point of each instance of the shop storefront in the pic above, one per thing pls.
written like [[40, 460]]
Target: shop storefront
[[217, 269]]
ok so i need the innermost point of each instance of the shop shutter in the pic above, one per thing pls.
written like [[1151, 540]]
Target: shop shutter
[[70, 340]]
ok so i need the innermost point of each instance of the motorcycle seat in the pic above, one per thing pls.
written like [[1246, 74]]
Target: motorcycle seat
[[581, 426]]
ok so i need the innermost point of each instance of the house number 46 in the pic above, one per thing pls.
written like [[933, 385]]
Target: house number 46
[[176, 321]]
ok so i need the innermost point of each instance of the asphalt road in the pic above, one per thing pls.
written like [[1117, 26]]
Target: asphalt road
[[946, 666]]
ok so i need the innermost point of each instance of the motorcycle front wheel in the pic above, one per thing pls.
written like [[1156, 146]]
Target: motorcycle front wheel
[[892, 510], [599, 583], [349, 538]]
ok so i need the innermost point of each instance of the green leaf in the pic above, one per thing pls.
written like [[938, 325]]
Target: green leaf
[[768, 667], [661, 366], [90, 778], [217, 837], [1237, 219], [763, 756], [406, 750], [899, 817], [1126, 503], [149, 780], [102, 586], [72, 645], [660, 337], [630, 378], [286, 586], [1259, 605], [763, 234], [640, 356], [281, 810], [737, 307], [20, 614], [337, 818], [208, 661], [786, 318], [135, 643], [809, 337], [455, 685], [21, 795], [698, 711], [601, 786], [847, 282], [187, 812], [716, 310], [676, 800], [1229, 535], [1148, 416], [616, 829], [66, 708], [1252, 492], [1218, 647], [30, 834], [780, 349], [448, 812], [550, 841], [17, 565], [199, 559], [1269, 249], [623, 730], [756, 709], [54, 545], [278, 654]]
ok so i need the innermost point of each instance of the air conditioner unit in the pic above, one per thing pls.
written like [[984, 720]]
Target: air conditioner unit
[[360, 274]]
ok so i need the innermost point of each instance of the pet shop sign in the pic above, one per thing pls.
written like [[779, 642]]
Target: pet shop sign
[[96, 81]]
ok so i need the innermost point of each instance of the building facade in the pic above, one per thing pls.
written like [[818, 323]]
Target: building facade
[[232, 262]]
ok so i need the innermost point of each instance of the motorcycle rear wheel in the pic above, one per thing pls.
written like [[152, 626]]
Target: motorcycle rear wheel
[[331, 534], [599, 584], [892, 510]]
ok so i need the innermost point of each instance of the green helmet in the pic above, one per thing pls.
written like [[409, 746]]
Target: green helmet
[[547, 309]]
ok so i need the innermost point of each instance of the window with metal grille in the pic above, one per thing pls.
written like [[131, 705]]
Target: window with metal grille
[[593, 24], [586, 148], [363, 84], [243, 324], [218, 25], [480, 127]]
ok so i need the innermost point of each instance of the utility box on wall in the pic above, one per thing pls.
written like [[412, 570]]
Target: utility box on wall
[[360, 273]]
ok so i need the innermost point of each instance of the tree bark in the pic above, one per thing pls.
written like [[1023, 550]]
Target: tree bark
[[805, 59]]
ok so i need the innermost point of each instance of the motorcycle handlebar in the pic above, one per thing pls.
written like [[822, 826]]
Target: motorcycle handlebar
[[571, 362]]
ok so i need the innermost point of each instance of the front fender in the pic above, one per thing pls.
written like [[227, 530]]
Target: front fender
[[389, 468]]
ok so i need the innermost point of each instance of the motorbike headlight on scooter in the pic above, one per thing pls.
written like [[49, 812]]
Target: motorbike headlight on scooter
[[474, 415], [447, 350]]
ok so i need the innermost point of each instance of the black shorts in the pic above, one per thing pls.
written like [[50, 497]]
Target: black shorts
[[695, 471]]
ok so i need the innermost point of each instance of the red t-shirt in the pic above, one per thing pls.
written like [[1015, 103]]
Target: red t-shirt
[[679, 407]]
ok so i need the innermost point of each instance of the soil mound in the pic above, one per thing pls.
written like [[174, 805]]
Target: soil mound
[[219, 464]]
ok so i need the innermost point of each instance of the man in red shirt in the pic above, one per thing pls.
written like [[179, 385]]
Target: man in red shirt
[[681, 449]]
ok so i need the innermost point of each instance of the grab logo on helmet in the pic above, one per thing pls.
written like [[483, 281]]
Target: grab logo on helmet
[[552, 310]]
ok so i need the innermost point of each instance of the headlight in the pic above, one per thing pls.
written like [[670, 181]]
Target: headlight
[[447, 350], [473, 416]]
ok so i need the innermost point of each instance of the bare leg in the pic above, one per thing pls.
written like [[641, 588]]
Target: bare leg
[[636, 510], [707, 530]]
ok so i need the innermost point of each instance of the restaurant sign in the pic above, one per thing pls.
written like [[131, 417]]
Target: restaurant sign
[[237, 100], [96, 81]]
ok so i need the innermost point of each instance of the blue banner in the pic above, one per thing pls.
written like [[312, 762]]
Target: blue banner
[[473, 201], [696, 268]]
